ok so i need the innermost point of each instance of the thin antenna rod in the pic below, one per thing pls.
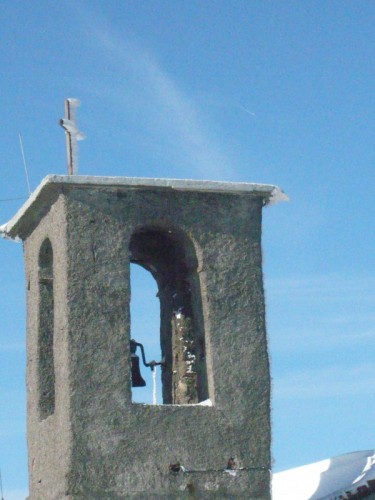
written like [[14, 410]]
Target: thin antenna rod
[[24, 164], [1, 487]]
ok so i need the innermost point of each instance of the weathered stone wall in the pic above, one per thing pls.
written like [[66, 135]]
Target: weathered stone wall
[[49, 437], [98, 444]]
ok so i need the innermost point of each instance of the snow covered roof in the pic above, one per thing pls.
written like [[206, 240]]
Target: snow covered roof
[[340, 478], [52, 184]]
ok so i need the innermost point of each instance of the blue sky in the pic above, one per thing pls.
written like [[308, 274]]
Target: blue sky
[[272, 92]]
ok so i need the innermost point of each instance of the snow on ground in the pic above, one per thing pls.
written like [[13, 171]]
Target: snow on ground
[[328, 479]]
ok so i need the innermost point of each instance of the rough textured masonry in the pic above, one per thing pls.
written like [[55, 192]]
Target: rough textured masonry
[[202, 243]]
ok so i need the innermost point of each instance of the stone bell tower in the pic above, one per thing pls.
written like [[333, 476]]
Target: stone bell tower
[[202, 243]]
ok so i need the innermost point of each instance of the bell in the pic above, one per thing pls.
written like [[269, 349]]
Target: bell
[[137, 380]]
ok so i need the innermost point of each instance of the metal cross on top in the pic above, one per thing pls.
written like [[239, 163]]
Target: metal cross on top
[[69, 123]]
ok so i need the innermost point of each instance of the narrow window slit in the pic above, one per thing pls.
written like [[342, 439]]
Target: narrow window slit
[[46, 368]]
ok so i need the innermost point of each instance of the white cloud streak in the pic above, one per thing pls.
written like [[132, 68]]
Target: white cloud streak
[[332, 382], [323, 288], [320, 340], [176, 118], [246, 110], [333, 312]]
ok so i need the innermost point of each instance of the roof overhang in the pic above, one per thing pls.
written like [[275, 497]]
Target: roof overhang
[[52, 185]]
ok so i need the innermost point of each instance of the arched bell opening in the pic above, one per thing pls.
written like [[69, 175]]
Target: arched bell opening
[[170, 257], [46, 368]]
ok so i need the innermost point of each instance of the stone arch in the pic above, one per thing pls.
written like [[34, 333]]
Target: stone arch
[[170, 256], [46, 368]]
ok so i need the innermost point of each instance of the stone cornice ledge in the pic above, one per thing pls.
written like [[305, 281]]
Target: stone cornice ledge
[[271, 194]]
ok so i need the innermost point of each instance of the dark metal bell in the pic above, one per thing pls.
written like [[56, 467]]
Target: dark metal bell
[[137, 380]]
